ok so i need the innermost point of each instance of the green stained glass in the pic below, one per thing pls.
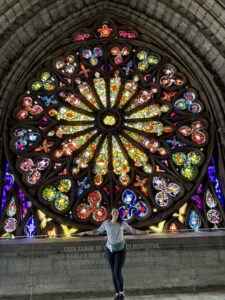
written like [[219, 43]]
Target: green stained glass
[[120, 163], [64, 185], [101, 163], [62, 202], [68, 147], [67, 114], [87, 92], [153, 127], [85, 156], [187, 163], [140, 158], [142, 98], [64, 130], [149, 143], [49, 193], [74, 101], [115, 84], [99, 84], [130, 88], [151, 111], [47, 83]]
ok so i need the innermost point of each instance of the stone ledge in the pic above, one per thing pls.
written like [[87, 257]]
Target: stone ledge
[[158, 263], [153, 241]]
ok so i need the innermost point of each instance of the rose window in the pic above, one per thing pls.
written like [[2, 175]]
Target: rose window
[[109, 120]]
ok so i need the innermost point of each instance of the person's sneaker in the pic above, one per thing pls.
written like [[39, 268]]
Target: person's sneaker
[[117, 297]]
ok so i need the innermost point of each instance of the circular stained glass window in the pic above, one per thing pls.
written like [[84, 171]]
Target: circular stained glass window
[[108, 121]]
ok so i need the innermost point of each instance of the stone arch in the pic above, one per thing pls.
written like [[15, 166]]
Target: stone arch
[[33, 30]]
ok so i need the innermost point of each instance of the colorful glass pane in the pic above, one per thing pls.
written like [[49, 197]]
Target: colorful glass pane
[[100, 86], [115, 84], [153, 110], [154, 127], [87, 92], [129, 89], [109, 122], [31, 227], [67, 114], [101, 163], [120, 163], [73, 100]]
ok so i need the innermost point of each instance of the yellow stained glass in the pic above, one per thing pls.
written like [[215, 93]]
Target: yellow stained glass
[[99, 84], [68, 129], [151, 111], [130, 88], [109, 120], [139, 157], [120, 163], [67, 114], [87, 92], [85, 156], [151, 127], [68, 147], [115, 84], [101, 163]]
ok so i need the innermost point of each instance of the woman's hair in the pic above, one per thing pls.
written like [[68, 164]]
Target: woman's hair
[[119, 219]]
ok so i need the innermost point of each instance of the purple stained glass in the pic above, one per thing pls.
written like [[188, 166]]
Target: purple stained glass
[[214, 179], [174, 142], [197, 198], [10, 225], [7, 185], [24, 203]]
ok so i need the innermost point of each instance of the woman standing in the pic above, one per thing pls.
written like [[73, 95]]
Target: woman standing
[[115, 246]]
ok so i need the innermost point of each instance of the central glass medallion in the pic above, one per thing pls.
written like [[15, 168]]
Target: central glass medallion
[[109, 120]]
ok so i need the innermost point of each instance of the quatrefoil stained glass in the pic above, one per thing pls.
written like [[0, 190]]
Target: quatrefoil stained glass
[[111, 121]]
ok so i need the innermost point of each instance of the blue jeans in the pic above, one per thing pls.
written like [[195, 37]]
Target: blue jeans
[[116, 261]]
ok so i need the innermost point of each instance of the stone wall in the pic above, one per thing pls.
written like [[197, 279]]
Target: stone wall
[[77, 266]]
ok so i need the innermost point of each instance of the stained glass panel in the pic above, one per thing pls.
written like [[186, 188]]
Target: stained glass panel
[[106, 123]]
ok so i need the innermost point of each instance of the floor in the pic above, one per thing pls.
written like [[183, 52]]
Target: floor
[[201, 296], [197, 296]]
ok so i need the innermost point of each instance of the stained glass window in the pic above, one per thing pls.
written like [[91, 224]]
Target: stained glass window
[[108, 120]]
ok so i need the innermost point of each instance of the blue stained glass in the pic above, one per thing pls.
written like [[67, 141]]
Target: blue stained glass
[[82, 185], [7, 185], [24, 203], [126, 212], [213, 178], [31, 227], [194, 221], [128, 68], [174, 142], [48, 100], [197, 198]]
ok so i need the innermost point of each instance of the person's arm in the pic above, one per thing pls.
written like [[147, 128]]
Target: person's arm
[[129, 229], [142, 231], [98, 231]]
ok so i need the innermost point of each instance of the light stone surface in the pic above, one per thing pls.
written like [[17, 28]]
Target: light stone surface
[[76, 267], [197, 296]]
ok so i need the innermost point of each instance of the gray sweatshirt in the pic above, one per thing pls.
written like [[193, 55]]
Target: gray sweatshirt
[[114, 231]]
